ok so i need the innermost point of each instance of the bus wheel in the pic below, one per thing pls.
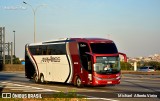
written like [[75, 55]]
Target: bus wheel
[[35, 77], [42, 79], [79, 82]]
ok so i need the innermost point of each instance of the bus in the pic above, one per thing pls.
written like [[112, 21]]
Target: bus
[[78, 61]]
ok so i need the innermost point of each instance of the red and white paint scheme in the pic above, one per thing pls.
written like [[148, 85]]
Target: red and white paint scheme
[[80, 61]]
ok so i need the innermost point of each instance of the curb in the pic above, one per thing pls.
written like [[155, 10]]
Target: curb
[[141, 73]]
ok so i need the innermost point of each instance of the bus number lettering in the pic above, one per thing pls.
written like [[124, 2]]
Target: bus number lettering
[[51, 59]]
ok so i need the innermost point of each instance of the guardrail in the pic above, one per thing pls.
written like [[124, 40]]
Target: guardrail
[[13, 67], [141, 73], [20, 67]]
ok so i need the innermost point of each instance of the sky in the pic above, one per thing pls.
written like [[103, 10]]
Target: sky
[[134, 25]]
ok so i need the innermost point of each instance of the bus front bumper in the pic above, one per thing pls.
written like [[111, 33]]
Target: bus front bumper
[[98, 82]]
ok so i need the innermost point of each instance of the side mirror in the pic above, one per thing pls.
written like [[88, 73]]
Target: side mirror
[[124, 55]]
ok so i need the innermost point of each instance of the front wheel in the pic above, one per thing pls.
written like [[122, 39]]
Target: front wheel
[[79, 82]]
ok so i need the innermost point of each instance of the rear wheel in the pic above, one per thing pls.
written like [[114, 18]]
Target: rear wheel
[[35, 77], [42, 79]]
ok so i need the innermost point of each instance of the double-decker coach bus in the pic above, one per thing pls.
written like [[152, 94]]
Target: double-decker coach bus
[[79, 61]]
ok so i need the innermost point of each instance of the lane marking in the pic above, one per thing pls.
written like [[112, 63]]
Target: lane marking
[[40, 90], [18, 85], [134, 80], [101, 99], [97, 98], [25, 88], [82, 89], [37, 89]]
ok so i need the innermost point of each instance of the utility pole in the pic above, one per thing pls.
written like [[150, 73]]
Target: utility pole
[[34, 15], [14, 44], [11, 53], [3, 29], [1, 50]]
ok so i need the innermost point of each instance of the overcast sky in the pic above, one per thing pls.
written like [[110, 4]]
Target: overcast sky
[[134, 25]]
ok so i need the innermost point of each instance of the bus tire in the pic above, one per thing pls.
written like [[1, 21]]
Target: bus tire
[[42, 79], [79, 82], [35, 77]]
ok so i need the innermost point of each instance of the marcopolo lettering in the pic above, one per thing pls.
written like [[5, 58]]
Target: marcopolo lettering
[[51, 59]]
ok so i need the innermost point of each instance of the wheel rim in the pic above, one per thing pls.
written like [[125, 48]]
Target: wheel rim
[[36, 78], [42, 79], [78, 82]]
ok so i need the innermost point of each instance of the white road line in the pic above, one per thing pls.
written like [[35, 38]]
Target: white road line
[[25, 88], [82, 89], [38, 91], [101, 99], [34, 89], [4, 82], [41, 90], [134, 80], [158, 90], [12, 87], [8, 83], [18, 85], [97, 98]]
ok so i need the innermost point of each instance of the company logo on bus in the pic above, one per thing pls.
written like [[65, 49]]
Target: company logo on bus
[[51, 59]]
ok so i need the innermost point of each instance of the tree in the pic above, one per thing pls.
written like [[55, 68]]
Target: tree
[[126, 66], [16, 60], [155, 64]]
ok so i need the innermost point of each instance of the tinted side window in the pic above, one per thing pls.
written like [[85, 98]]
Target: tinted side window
[[144, 68], [56, 49], [44, 49], [151, 68], [34, 50], [38, 50], [104, 48], [83, 47]]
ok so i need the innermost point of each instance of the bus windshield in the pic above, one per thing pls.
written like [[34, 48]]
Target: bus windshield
[[107, 65], [103, 48]]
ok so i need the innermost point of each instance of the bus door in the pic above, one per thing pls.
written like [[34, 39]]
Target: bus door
[[49, 71], [86, 68]]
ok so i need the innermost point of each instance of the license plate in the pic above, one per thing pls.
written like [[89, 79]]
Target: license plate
[[109, 82]]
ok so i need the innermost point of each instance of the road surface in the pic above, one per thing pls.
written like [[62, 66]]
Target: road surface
[[132, 87]]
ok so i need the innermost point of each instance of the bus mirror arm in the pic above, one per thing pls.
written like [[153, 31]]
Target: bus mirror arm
[[89, 53], [124, 55]]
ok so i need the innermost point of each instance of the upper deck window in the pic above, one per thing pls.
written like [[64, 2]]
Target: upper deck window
[[53, 49], [104, 48]]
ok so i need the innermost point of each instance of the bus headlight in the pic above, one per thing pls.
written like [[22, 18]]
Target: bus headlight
[[118, 77]]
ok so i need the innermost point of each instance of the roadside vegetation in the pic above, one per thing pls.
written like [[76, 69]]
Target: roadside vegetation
[[128, 66]]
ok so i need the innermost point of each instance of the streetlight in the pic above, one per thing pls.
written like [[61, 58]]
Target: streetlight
[[34, 13], [14, 44]]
